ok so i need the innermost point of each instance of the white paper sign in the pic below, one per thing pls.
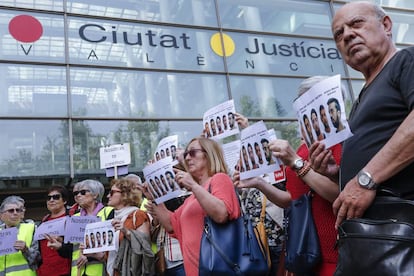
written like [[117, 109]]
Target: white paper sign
[[167, 148], [321, 113], [100, 237], [232, 154], [256, 157], [115, 156], [219, 122], [161, 183], [55, 227], [8, 237]]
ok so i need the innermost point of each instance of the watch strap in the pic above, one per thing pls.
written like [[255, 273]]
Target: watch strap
[[304, 170]]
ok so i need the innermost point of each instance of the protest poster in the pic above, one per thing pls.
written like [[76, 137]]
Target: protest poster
[[312, 108], [75, 228], [160, 177], [219, 122], [232, 154], [55, 227], [8, 237], [256, 157], [100, 237], [167, 148]]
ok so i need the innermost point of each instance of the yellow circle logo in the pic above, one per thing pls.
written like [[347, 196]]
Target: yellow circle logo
[[222, 44]]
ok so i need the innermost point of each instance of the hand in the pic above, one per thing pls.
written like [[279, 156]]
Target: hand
[[53, 242], [20, 245], [284, 151], [184, 179], [352, 202], [82, 261], [323, 162], [146, 191], [117, 224], [242, 121]]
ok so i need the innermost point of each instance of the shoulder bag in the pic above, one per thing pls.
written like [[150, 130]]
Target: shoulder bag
[[380, 243], [231, 249], [303, 252]]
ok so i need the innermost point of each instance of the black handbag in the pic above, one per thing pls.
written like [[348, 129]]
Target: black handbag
[[302, 251], [231, 248], [380, 243]]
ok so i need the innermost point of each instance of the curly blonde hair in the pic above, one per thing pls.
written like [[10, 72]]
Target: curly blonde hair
[[131, 195]]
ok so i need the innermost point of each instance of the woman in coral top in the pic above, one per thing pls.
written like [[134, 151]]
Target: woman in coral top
[[213, 194], [301, 178]]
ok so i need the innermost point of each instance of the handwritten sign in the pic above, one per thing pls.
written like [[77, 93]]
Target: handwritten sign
[[75, 228], [55, 227], [115, 156], [7, 239]]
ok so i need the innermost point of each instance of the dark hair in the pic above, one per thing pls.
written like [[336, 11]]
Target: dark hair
[[335, 100], [321, 107], [61, 190], [314, 111]]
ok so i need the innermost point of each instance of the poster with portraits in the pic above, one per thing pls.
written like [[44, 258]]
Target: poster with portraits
[[255, 156], [321, 113], [279, 175], [167, 149], [99, 237], [160, 178], [232, 154], [219, 121]]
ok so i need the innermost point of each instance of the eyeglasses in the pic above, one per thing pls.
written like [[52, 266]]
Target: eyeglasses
[[54, 197], [192, 152], [82, 192], [112, 192], [14, 210]]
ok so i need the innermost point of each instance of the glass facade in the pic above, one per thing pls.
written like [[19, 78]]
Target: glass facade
[[77, 75]]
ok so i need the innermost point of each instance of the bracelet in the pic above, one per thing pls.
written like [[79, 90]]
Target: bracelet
[[304, 170]]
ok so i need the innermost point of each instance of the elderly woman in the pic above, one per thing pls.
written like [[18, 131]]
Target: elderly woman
[[24, 261], [52, 261], [133, 227], [88, 194], [212, 194]]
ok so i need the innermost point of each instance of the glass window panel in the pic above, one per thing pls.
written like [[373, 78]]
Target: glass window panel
[[143, 136], [32, 90], [403, 4], [117, 93], [192, 12], [49, 5], [34, 148], [282, 16], [268, 97], [97, 42], [265, 54], [30, 36]]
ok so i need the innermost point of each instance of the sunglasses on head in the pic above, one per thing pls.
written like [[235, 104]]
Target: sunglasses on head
[[192, 152], [14, 210], [54, 197], [82, 192]]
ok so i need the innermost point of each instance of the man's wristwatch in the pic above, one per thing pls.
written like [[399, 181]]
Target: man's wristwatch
[[365, 181], [301, 167]]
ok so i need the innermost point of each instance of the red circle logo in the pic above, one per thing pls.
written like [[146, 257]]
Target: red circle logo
[[25, 28]]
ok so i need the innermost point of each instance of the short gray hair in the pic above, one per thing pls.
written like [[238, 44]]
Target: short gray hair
[[94, 186], [134, 178], [13, 199]]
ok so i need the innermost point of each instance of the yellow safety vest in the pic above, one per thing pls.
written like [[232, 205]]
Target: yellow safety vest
[[15, 264], [94, 268]]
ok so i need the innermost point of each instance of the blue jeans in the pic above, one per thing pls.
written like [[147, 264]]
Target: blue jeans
[[175, 271]]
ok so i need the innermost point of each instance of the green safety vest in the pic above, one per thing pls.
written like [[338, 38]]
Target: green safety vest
[[94, 268], [15, 264]]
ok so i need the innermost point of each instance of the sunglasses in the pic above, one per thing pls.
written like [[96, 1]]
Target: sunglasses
[[192, 152], [82, 192], [14, 210], [112, 192], [54, 197]]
